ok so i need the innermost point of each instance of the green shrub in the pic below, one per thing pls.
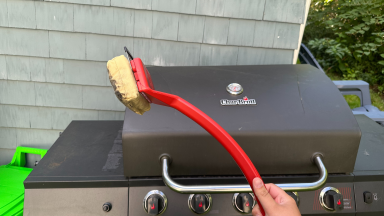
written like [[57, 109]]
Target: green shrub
[[347, 37]]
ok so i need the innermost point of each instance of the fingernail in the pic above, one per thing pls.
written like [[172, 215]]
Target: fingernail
[[257, 183]]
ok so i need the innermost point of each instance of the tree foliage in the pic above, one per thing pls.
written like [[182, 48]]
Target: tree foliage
[[347, 37]]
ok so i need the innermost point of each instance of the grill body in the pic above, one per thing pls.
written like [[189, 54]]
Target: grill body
[[298, 112]]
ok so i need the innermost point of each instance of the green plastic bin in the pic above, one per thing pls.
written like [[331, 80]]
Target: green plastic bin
[[12, 177]]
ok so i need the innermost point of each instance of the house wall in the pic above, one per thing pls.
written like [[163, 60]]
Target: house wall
[[53, 53]]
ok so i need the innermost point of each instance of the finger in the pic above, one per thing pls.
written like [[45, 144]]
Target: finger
[[256, 211], [275, 190], [263, 195], [278, 194]]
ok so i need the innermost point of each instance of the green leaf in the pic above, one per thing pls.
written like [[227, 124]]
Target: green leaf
[[342, 67], [376, 11], [381, 62], [382, 55], [366, 53], [361, 32]]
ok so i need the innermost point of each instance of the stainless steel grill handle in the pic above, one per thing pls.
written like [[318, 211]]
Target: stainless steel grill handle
[[209, 189]]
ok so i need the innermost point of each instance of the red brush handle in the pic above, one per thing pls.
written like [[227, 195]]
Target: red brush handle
[[200, 118]]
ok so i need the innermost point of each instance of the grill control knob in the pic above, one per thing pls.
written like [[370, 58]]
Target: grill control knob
[[367, 197], [200, 203], [243, 202], [331, 199], [107, 207], [155, 202], [295, 196]]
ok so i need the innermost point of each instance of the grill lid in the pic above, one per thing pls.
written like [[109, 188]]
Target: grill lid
[[283, 115]]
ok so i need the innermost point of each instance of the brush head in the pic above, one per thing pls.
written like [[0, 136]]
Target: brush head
[[124, 84]]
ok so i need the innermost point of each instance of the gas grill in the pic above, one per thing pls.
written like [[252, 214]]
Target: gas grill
[[291, 120]]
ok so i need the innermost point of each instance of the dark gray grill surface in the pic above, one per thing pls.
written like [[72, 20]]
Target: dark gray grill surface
[[87, 154]]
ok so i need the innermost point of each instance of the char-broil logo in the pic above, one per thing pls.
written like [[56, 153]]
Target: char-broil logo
[[244, 101]]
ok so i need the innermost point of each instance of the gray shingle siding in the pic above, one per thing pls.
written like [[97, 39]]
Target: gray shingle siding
[[177, 6], [291, 11], [17, 92], [89, 2], [99, 21], [3, 13], [56, 16], [165, 25], [8, 141], [66, 45], [85, 73], [3, 67], [142, 4], [100, 98], [143, 24], [216, 30], [109, 115], [210, 7], [14, 116], [36, 138], [124, 20], [241, 32], [6, 154], [58, 95], [286, 35], [94, 19], [171, 53], [37, 68], [53, 53], [61, 117], [27, 42], [218, 55], [104, 47], [262, 56], [244, 9], [21, 14], [276, 35], [41, 117], [188, 34], [54, 70], [24, 68], [18, 68], [142, 48], [50, 118]]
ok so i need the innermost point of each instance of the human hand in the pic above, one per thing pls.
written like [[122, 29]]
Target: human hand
[[274, 200]]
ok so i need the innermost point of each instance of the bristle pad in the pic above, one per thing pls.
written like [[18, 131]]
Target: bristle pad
[[124, 84]]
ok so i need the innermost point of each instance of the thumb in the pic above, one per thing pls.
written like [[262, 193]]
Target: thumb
[[262, 194]]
